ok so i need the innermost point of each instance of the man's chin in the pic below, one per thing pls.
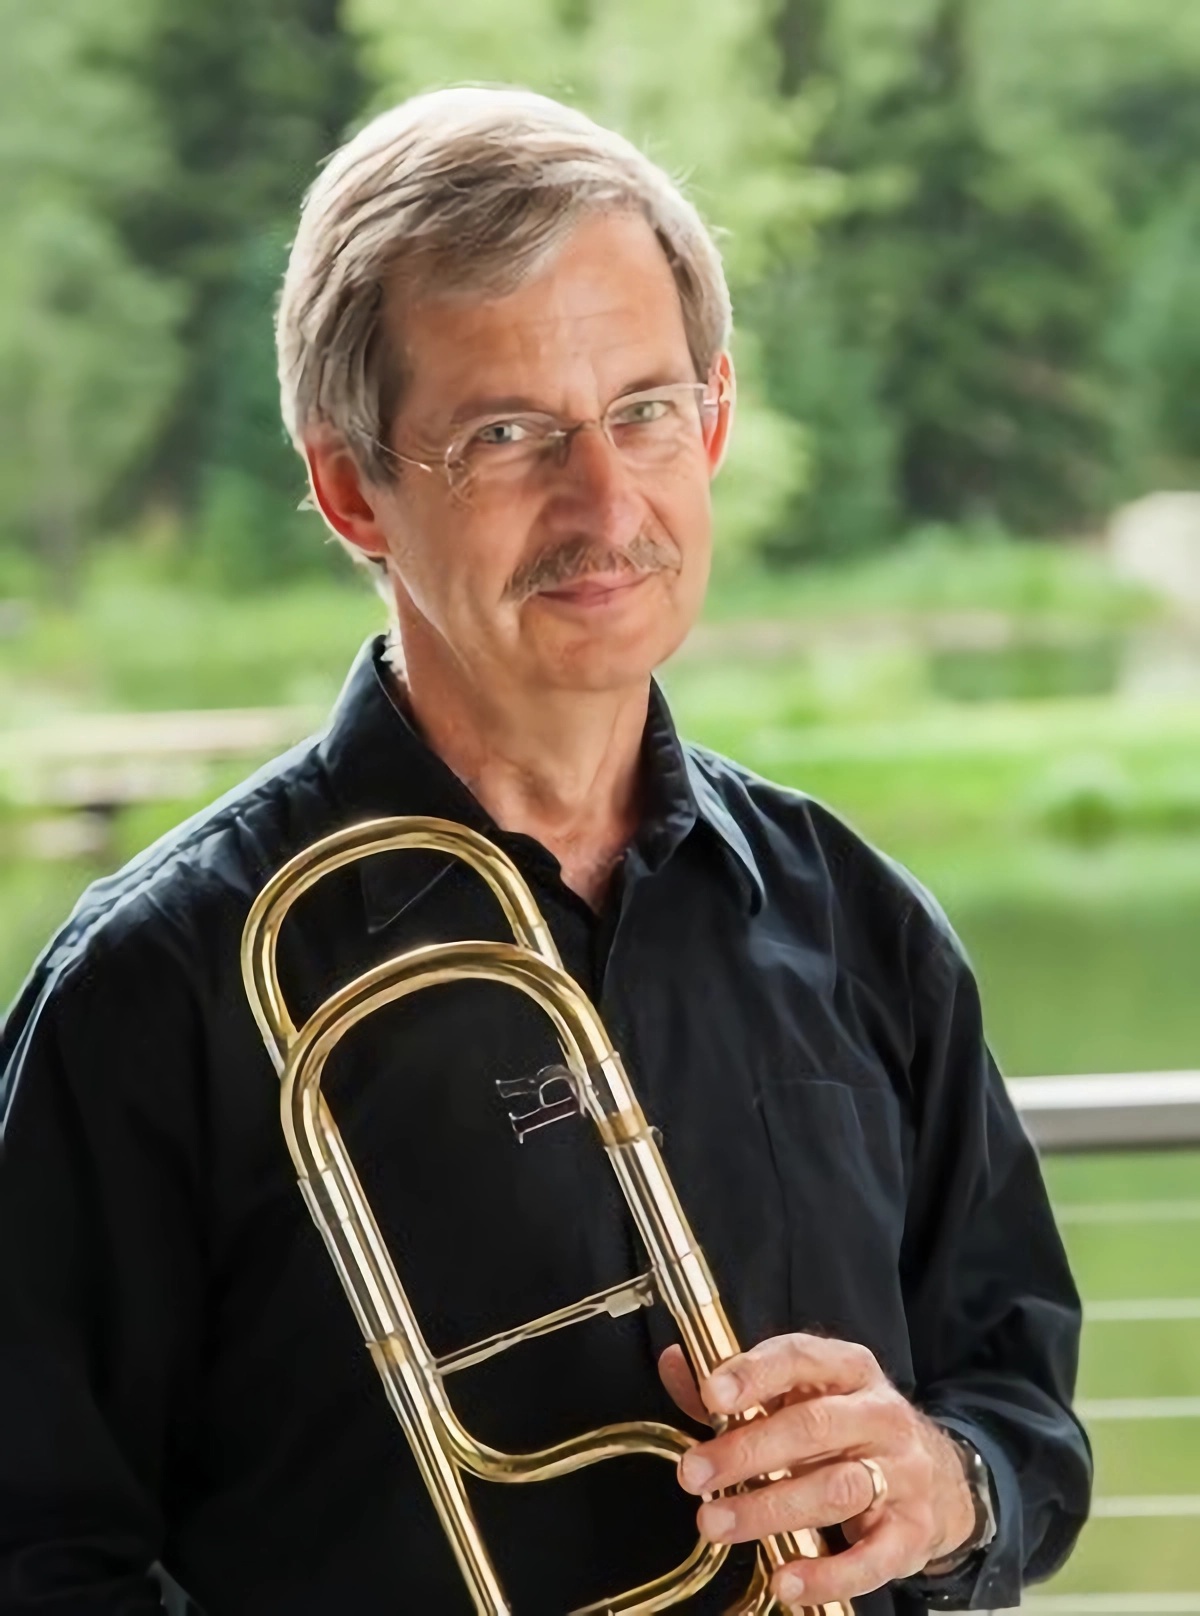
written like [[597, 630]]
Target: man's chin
[[614, 662]]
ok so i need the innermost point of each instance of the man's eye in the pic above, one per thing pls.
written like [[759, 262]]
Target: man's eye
[[643, 412], [501, 434]]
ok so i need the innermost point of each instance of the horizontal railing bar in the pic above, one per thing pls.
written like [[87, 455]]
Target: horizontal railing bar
[[1180, 1604], [1153, 1309], [1138, 1408], [1110, 1110], [1127, 1211], [1153, 1506], [216, 733]]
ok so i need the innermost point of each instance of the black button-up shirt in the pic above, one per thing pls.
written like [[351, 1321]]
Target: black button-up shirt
[[181, 1378]]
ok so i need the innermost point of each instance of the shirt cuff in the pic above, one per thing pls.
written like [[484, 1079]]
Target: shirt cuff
[[990, 1579]]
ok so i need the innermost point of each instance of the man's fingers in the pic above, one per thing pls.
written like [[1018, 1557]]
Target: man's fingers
[[807, 1364], [823, 1496], [798, 1434], [676, 1375], [883, 1555]]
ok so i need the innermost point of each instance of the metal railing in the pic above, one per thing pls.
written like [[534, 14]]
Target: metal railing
[[1110, 1112]]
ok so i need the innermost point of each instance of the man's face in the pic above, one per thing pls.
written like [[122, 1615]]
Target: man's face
[[587, 571]]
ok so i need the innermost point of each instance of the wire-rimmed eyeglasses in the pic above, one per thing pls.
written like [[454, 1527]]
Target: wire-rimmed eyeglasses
[[648, 429]]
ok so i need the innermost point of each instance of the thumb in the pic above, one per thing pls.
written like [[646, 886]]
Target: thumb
[[676, 1375]]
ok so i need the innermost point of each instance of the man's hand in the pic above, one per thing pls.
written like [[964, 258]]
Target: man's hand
[[829, 1406]]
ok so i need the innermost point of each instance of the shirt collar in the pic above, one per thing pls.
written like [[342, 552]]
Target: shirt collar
[[690, 795], [715, 812], [378, 765]]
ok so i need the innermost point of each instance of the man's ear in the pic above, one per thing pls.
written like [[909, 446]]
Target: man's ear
[[718, 442], [342, 494]]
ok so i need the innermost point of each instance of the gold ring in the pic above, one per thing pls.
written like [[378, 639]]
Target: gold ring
[[879, 1484]]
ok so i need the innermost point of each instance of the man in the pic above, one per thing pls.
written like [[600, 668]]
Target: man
[[503, 346]]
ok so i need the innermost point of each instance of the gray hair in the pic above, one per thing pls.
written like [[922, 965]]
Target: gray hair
[[465, 190]]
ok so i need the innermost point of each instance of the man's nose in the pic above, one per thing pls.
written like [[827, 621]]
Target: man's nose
[[594, 479]]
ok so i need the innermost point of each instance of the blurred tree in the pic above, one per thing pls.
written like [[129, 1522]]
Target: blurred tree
[[247, 98], [87, 346], [1113, 86], [249, 529], [800, 29], [1146, 119], [998, 283], [86, 363], [816, 370], [1155, 343], [1148, 116], [961, 239], [819, 374], [701, 99], [943, 343]]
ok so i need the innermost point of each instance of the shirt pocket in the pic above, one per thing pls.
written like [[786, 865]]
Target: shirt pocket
[[840, 1153]]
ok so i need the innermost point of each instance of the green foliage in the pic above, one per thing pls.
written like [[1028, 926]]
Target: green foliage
[[139, 639], [88, 350], [765, 469], [1115, 88], [944, 340], [1156, 348], [1041, 590], [1090, 799], [249, 528], [824, 377], [962, 240], [245, 100], [87, 359], [700, 101]]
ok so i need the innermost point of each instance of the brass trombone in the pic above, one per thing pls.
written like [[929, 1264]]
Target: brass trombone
[[596, 1084]]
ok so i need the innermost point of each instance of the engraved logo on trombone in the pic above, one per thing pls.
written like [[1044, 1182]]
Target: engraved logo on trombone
[[549, 1096]]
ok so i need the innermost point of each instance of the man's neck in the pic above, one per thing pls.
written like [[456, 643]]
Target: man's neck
[[562, 767]]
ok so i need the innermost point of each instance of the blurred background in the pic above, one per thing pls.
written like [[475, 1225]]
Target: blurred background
[[958, 583]]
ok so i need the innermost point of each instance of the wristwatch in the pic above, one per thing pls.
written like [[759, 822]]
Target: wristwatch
[[979, 1482]]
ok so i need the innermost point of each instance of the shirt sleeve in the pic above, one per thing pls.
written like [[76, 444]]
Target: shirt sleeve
[[994, 1315], [100, 1279]]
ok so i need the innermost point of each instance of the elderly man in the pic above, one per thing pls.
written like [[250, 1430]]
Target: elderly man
[[503, 346]]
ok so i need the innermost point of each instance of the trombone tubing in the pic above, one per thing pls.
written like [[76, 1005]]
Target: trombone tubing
[[336, 1201]]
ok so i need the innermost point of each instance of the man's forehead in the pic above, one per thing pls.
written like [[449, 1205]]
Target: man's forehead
[[606, 304]]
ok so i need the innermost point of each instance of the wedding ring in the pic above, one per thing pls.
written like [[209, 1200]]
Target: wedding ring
[[879, 1484]]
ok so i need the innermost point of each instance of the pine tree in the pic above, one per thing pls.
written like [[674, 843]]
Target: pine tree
[[248, 100], [989, 368], [88, 353], [955, 308]]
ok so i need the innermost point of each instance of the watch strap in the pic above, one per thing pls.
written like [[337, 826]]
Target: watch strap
[[979, 1483]]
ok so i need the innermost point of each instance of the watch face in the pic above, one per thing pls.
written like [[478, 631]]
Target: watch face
[[979, 1479]]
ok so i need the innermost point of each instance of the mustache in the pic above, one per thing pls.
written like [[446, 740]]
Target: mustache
[[578, 557]]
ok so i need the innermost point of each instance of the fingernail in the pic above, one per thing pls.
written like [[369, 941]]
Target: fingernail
[[695, 1471], [716, 1522], [724, 1388], [790, 1586]]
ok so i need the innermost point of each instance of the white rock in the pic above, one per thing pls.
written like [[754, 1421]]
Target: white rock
[[1156, 542]]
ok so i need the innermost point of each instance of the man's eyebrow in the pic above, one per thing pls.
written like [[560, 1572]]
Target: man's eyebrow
[[507, 404], [472, 409], [656, 378]]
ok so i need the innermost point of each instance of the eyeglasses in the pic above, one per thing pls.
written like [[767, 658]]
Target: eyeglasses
[[648, 429]]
